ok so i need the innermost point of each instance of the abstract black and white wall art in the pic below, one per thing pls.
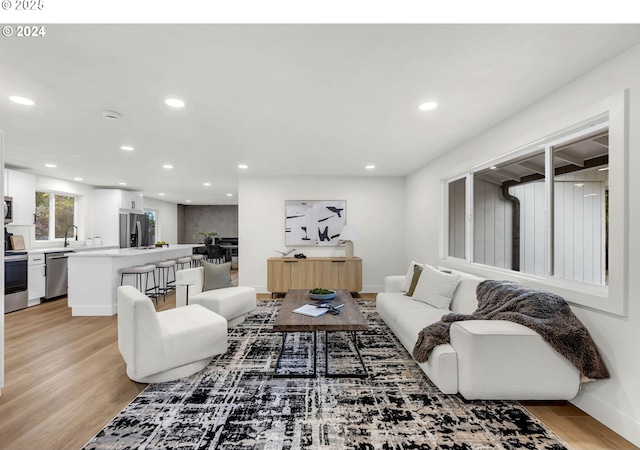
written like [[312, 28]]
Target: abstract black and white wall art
[[314, 222]]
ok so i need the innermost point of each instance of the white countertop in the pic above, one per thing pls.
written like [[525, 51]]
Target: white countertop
[[71, 248], [120, 252]]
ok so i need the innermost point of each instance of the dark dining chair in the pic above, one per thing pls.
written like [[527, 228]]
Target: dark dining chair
[[215, 254]]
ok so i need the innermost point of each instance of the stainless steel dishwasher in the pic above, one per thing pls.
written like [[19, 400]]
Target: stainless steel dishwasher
[[56, 274]]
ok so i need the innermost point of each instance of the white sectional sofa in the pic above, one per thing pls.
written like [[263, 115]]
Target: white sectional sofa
[[485, 359]]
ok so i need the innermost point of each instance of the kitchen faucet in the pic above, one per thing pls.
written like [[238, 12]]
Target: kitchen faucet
[[66, 244]]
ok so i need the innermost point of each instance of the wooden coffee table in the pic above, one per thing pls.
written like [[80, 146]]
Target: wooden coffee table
[[350, 320]]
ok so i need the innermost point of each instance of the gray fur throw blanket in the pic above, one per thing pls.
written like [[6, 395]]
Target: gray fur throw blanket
[[545, 313]]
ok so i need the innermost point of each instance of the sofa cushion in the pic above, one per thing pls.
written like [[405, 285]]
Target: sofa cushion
[[391, 304], [216, 276], [417, 270], [464, 298], [435, 288], [413, 319], [409, 276]]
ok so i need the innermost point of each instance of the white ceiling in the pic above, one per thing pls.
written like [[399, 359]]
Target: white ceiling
[[283, 99]]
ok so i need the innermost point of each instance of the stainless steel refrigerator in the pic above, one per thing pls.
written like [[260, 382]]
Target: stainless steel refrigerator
[[134, 230]]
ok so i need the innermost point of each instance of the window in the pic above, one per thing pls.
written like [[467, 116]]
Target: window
[[583, 251], [457, 218], [511, 229], [152, 215], [580, 198], [509, 214], [55, 213]]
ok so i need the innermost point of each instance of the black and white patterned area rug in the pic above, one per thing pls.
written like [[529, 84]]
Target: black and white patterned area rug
[[236, 403]]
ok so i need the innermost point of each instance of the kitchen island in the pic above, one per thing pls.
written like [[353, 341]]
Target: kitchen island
[[94, 277]]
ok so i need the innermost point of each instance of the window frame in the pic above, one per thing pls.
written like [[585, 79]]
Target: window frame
[[156, 237], [611, 298], [467, 190], [52, 213]]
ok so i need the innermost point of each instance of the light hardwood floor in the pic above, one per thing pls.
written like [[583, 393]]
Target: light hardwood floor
[[65, 379]]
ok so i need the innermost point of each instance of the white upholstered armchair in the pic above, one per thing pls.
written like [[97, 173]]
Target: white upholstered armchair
[[167, 345]]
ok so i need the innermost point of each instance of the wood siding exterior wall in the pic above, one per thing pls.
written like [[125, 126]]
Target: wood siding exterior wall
[[579, 227], [492, 225]]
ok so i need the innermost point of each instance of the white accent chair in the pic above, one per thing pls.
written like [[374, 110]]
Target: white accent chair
[[167, 345], [232, 303]]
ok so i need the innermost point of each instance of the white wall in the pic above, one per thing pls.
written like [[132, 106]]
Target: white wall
[[614, 402], [375, 206]]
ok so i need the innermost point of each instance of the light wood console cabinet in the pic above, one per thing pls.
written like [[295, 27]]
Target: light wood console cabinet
[[329, 273]]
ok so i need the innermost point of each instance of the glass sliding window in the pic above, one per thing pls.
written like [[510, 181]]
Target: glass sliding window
[[457, 223], [54, 214], [544, 212], [42, 216], [152, 215], [64, 213], [581, 185], [555, 209], [509, 218]]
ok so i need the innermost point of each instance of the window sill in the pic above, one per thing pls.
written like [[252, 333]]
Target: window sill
[[574, 292]]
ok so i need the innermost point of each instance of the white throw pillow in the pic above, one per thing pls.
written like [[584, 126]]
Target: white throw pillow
[[436, 288], [406, 284]]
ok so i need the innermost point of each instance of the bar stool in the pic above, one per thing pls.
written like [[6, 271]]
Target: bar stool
[[163, 269], [184, 261], [196, 260], [137, 272]]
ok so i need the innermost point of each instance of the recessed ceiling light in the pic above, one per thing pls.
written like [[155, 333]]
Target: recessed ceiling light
[[206, 184], [127, 148], [122, 183], [188, 201], [50, 165], [370, 166], [78, 179], [229, 195], [492, 168], [242, 166], [174, 102], [167, 166], [428, 106], [22, 100], [160, 193]]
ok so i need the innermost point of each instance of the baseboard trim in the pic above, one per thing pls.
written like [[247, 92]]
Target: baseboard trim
[[608, 415], [109, 310]]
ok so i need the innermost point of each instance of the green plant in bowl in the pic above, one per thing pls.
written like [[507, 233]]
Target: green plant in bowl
[[322, 294]]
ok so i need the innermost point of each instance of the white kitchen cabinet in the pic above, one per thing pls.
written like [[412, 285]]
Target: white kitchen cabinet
[[131, 202], [22, 187], [36, 279]]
